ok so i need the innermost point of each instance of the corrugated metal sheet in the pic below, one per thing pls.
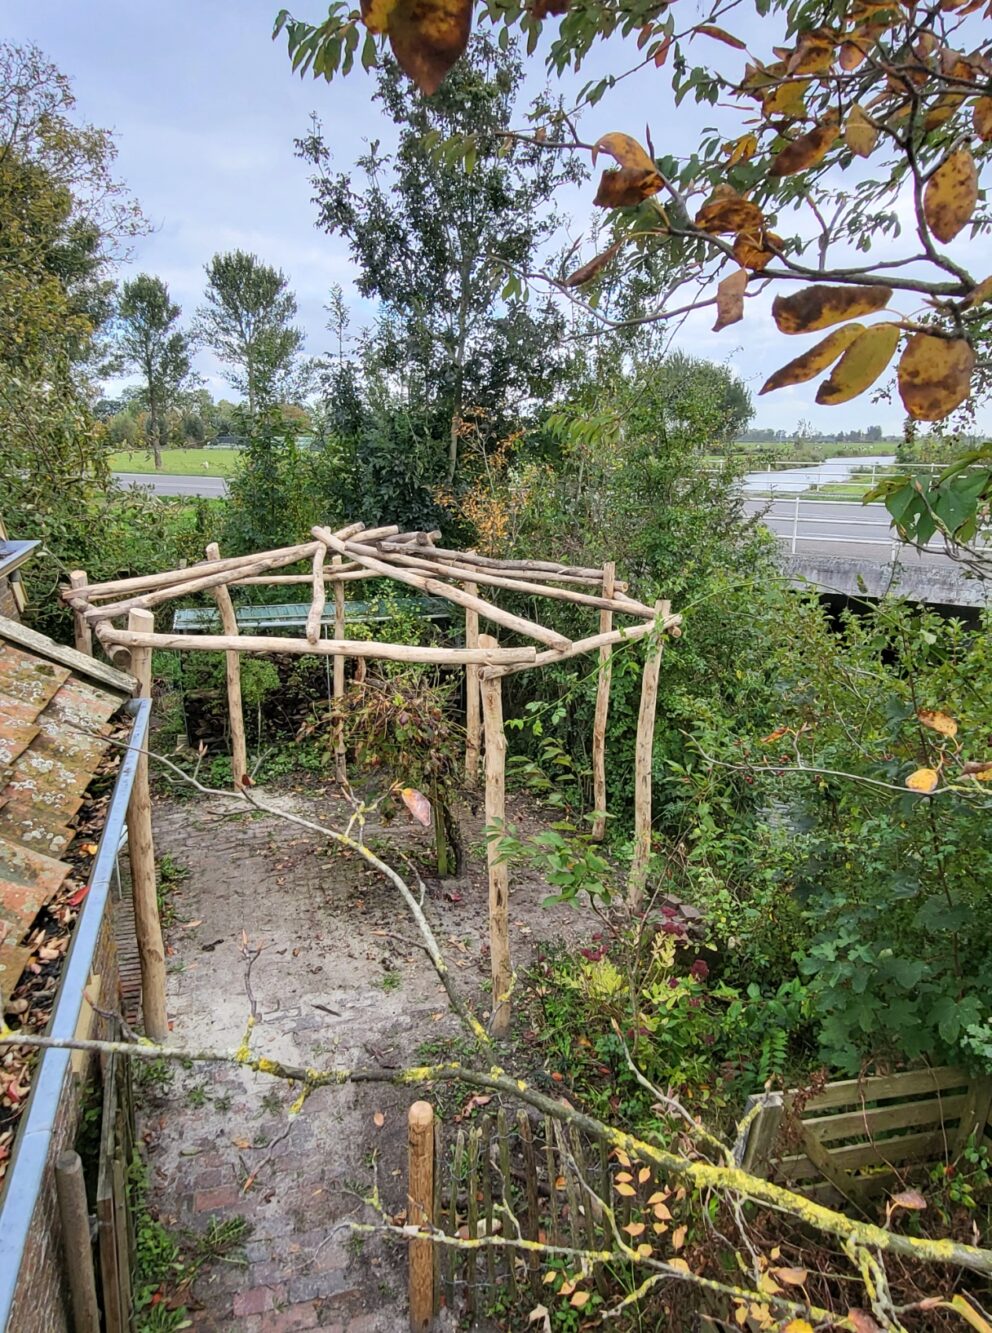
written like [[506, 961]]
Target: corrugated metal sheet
[[51, 724]]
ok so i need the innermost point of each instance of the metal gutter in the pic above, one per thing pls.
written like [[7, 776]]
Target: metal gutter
[[25, 1176]]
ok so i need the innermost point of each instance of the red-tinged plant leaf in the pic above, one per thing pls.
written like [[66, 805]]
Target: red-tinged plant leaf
[[590, 270], [862, 1322], [418, 805], [721, 35], [913, 1200], [78, 896]]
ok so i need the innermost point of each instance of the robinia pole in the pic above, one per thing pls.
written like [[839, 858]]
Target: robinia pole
[[499, 879]]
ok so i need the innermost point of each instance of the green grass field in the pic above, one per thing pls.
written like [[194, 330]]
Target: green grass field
[[180, 462]]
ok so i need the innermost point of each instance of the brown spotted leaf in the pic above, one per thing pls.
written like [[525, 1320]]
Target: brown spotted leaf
[[981, 294], [819, 306], [804, 152], [625, 149], [426, 36], [861, 364], [756, 251], [589, 271], [950, 195], [923, 780], [934, 376], [786, 99], [721, 35], [728, 215], [937, 721], [911, 1199], [730, 299], [626, 187], [814, 54], [860, 132], [981, 118], [818, 358]]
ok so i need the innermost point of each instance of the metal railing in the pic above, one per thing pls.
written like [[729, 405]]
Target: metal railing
[[795, 518]]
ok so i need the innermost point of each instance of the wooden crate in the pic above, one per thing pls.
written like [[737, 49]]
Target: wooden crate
[[860, 1137]]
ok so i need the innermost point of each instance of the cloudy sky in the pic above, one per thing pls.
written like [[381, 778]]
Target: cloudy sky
[[206, 109]]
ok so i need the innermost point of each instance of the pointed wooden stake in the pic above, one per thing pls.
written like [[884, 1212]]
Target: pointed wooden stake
[[499, 880], [643, 755]]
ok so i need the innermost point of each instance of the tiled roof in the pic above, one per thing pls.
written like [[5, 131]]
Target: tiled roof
[[47, 761]]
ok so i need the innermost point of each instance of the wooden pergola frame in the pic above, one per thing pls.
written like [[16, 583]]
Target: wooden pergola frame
[[413, 559]]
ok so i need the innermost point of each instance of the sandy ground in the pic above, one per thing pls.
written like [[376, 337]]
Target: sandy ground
[[339, 980]]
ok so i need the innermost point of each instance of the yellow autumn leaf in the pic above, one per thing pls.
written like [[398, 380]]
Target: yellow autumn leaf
[[635, 1228], [426, 36], [624, 1177], [644, 1251], [678, 1237], [798, 1326], [950, 195], [934, 376], [622, 1157], [659, 1196], [804, 367], [982, 293], [579, 1299], [937, 721], [625, 149], [679, 1265], [861, 365], [819, 306], [644, 1175], [792, 1277], [860, 132], [626, 1191], [923, 780]]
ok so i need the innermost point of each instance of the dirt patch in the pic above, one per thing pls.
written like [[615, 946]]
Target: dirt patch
[[340, 980]]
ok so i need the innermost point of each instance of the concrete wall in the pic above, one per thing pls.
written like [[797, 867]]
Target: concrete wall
[[938, 585]]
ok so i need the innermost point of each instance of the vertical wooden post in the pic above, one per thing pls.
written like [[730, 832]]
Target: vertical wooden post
[[499, 880], [74, 1215], [141, 853], [602, 710], [473, 727], [643, 754], [232, 671], [419, 1213], [82, 633], [340, 758]]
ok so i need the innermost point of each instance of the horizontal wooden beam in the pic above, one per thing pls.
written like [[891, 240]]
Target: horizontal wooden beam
[[257, 643], [670, 625]]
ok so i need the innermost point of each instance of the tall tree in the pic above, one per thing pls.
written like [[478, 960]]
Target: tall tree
[[248, 322], [153, 344], [429, 234]]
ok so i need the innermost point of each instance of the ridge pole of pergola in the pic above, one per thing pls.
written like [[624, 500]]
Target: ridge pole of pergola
[[499, 879], [643, 759]]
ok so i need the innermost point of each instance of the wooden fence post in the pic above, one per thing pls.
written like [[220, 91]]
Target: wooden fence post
[[643, 754], [141, 853], [419, 1213], [602, 711], [76, 1248], [340, 757], [82, 633], [473, 727], [499, 880], [232, 671]]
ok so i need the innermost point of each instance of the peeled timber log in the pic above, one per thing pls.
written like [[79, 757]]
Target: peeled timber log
[[670, 625], [518, 624], [257, 643]]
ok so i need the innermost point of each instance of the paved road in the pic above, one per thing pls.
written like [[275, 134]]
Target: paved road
[[825, 527], [215, 488]]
